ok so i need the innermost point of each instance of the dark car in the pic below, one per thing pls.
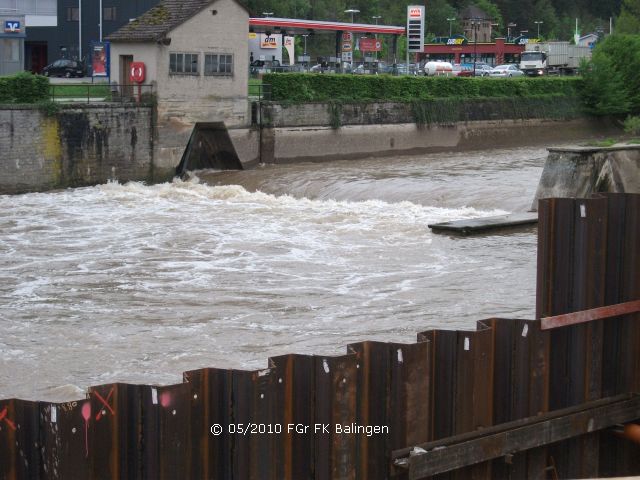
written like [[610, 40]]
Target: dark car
[[64, 68]]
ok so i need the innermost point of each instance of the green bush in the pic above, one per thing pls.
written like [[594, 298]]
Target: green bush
[[24, 87], [305, 87], [611, 81], [632, 125]]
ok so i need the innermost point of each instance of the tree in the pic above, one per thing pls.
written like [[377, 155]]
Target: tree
[[629, 20], [436, 19], [492, 10], [611, 83]]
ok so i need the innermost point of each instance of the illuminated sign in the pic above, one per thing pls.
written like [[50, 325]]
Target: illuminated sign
[[415, 28], [456, 41], [11, 26], [268, 42]]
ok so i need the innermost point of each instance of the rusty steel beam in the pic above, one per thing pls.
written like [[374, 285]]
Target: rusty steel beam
[[584, 316], [472, 448]]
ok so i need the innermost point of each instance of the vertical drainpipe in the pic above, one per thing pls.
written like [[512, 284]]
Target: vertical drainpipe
[[80, 30], [100, 17]]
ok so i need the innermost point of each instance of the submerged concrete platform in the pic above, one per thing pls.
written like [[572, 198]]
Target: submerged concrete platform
[[482, 225]]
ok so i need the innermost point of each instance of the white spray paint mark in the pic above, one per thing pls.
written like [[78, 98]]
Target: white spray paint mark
[[467, 343], [583, 211], [154, 396], [325, 365], [400, 359], [525, 330], [54, 414]]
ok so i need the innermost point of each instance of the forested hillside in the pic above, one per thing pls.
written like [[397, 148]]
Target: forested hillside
[[558, 16]]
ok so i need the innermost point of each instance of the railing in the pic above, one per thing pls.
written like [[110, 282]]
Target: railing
[[100, 92], [260, 91]]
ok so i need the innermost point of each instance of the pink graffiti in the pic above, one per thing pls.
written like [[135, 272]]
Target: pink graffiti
[[165, 399], [86, 414]]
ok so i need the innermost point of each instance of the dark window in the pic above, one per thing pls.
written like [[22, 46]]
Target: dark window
[[109, 14], [73, 14], [183, 63], [218, 64]]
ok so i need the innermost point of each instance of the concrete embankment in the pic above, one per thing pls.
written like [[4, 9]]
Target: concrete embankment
[[578, 172], [90, 144], [328, 131]]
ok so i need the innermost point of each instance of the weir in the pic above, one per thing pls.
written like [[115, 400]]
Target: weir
[[510, 383], [209, 147]]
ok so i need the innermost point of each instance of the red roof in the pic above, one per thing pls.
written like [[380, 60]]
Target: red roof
[[295, 26]]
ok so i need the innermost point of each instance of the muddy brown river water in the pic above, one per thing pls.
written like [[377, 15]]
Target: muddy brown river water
[[136, 283]]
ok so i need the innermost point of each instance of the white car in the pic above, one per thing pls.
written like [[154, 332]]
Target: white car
[[506, 71], [483, 70]]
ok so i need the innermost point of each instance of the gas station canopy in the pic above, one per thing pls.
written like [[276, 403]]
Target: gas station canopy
[[292, 26]]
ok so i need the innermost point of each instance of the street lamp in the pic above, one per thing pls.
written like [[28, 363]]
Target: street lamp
[[509, 27], [450, 20], [352, 11], [475, 24], [304, 54], [538, 23]]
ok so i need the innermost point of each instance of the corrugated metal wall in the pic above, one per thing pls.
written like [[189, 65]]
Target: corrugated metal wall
[[448, 382]]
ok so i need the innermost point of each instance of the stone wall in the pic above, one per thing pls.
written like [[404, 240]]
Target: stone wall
[[77, 146]]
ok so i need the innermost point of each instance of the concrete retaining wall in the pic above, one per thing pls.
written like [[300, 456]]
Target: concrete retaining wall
[[579, 172], [290, 144], [91, 144], [82, 145]]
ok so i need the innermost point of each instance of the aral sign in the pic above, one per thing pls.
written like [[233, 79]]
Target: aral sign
[[415, 28]]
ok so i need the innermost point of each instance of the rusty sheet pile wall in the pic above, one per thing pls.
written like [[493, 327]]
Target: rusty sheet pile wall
[[447, 383]]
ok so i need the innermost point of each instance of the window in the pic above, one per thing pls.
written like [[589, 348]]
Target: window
[[109, 14], [10, 49], [183, 63], [73, 14], [218, 64]]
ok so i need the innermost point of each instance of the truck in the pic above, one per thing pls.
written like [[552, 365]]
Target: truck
[[547, 58]]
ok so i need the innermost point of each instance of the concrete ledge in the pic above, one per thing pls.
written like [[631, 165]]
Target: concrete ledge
[[482, 225]]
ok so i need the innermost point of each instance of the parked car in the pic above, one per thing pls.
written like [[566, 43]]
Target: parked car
[[463, 70], [483, 70], [267, 66], [506, 71], [64, 68]]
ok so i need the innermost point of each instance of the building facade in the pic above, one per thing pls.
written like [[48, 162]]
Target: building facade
[[195, 54], [460, 50], [11, 43], [78, 23]]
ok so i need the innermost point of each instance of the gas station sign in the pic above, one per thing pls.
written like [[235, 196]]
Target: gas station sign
[[415, 28], [370, 44]]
